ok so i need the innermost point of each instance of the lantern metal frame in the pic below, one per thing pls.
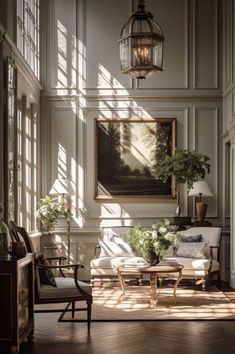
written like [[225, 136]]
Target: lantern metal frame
[[141, 51]]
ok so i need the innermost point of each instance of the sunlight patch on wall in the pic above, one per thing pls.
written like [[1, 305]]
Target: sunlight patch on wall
[[62, 70], [62, 162], [106, 80], [113, 209], [81, 66]]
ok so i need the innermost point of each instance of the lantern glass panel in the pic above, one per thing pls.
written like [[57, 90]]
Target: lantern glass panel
[[141, 25], [125, 54], [157, 54]]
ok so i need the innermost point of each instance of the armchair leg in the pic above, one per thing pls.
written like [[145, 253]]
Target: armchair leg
[[88, 316], [73, 308], [218, 280]]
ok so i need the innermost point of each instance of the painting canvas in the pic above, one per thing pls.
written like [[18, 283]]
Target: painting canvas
[[126, 151]]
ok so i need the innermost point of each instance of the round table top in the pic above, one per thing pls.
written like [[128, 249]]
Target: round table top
[[171, 268]]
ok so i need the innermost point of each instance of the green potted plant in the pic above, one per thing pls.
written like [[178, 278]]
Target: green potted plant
[[151, 242], [186, 167], [48, 212]]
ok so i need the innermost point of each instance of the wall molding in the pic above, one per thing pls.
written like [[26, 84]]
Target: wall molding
[[196, 111], [156, 97]]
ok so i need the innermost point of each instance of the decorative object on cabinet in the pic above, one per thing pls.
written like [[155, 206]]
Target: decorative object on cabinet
[[67, 290], [141, 45], [130, 147], [200, 189], [186, 167], [64, 188], [17, 302]]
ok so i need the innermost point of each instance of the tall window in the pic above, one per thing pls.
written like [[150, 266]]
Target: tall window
[[28, 32]]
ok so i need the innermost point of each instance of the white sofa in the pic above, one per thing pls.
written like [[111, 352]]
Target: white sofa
[[113, 249], [199, 259], [199, 262]]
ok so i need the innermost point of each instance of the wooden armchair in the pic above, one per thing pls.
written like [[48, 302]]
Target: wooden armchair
[[66, 290]]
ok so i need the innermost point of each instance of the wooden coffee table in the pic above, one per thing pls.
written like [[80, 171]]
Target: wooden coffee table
[[154, 272]]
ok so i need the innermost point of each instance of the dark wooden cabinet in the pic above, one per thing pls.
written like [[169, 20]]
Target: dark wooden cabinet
[[16, 302]]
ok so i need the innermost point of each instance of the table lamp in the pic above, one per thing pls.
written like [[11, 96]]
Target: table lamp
[[199, 189], [63, 187]]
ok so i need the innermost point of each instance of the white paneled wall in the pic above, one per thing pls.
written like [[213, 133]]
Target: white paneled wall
[[85, 46], [82, 81]]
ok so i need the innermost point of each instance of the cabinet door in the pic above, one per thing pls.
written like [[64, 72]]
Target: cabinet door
[[6, 307], [23, 299]]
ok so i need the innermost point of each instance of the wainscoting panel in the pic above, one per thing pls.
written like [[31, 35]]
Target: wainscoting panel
[[171, 15], [206, 129], [63, 147], [205, 16], [102, 34]]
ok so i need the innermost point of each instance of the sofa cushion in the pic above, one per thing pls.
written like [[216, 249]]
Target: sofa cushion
[[192, 250], [191, 263], [115, 247], [66, 287]]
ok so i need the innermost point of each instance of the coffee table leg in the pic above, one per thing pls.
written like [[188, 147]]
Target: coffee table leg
[[122, 283], [177, 283], [153, 289]]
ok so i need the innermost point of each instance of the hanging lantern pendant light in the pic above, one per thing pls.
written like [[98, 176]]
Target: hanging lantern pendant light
[[141, 45]]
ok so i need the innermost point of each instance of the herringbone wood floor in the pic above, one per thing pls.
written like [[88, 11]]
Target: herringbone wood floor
[[156, 337], [163, 337]]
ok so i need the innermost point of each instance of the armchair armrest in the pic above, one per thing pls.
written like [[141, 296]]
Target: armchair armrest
[[211, 248], [44, 266], [59, 258]]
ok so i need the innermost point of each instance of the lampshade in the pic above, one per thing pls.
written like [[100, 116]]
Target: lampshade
[[62, 186], [141, 45], [200, 188]]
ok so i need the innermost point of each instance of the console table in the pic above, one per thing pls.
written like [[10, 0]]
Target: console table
[[16, 302]]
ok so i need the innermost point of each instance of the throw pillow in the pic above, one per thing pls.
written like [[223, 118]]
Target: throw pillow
[[185, 238], [192, 250], [46, 275], [116, 248]]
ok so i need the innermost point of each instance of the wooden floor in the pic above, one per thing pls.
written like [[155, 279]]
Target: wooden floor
[[155, 337], [163, 337]]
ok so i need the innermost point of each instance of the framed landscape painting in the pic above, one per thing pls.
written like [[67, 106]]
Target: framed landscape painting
[[126, 151]]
